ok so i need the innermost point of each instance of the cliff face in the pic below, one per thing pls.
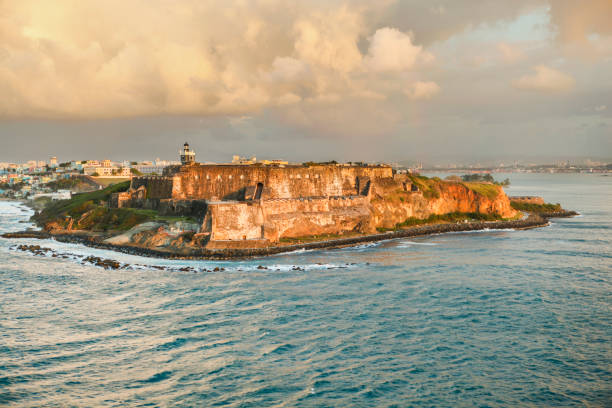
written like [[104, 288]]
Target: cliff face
[[392, 204]]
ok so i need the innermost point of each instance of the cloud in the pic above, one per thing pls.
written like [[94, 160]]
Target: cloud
[[392, 50], [329, 39], [545, 79], [287, 69], [422, 90], [510, 53], [577, 20], [156, 57]]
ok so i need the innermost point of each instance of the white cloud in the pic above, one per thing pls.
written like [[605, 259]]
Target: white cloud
[[392, 50], [545, 79], [329, 40], [422, 90], [287, 69]]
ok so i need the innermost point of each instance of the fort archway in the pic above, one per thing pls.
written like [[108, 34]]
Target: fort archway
[[258, 191]]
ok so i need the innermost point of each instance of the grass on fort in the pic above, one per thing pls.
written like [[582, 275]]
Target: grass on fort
[[430, 187], [453, 217], [90, 212], [536, 208]]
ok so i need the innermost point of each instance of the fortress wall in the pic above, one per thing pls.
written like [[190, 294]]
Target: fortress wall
[[234, 221], [158, 187], [274, 219], [319, 204], [315, 217], [219, 182]]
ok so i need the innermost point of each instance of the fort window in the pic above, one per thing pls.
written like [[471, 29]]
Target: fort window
[[242, 177], [208, 177], [230, 176]]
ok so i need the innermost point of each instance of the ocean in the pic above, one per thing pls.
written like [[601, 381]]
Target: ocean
[[489, 319]]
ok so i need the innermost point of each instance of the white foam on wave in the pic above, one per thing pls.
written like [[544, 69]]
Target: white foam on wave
[[420, 243]]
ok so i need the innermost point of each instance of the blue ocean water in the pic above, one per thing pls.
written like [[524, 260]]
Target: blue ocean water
[[494, 318]]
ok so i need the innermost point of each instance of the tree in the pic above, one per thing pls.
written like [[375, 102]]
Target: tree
[[95, 174]]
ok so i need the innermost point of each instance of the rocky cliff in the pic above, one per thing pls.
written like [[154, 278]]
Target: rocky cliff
[[391, 204]]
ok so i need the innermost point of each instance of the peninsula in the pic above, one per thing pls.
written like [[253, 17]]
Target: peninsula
[[224, 211]]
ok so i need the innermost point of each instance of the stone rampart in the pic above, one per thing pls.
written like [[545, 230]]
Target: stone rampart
[[231, 182], [233, 221], [277, 218], [157, 187]]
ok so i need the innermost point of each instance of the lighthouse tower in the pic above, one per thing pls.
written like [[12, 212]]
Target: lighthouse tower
[[187, 155]]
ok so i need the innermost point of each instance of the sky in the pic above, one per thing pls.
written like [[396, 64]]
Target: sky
[[384, 80]]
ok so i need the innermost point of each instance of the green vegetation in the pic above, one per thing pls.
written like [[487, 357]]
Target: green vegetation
[[107, 181], [135, 172], [453, 217], [13, 187], [79, 203], [40, 203], [63, 184], [536, 208], [327, 163], [486, 178], [429, 187], [90, 212], [488, 190]]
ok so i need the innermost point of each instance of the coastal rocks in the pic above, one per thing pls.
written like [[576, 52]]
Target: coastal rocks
[[176, 235], [128, 236], [92, 260], [27, 234], [103, 263]]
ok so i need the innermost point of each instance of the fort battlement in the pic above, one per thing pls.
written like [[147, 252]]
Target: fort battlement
[[240, 182]]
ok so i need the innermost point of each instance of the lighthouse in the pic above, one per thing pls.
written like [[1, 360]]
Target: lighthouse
[[187, 155]]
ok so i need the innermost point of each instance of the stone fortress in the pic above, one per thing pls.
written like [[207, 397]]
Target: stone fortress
[[255, 205]]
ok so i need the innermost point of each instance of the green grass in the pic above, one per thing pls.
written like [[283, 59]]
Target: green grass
[[109, 181], [90, 212], [428, 186], [443, 218], [79, 203], [488, 190], [536, 208]]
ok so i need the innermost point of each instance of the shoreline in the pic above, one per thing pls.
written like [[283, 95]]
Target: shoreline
[[532, 221]]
